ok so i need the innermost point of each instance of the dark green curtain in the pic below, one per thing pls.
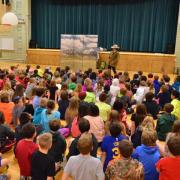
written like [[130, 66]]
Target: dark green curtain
[[135, 25]]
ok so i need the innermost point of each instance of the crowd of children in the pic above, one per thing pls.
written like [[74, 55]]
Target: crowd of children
[[40, 109]]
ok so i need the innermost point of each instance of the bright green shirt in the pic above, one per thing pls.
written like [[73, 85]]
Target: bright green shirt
[[90, 97], [176, 111], [104, 110]]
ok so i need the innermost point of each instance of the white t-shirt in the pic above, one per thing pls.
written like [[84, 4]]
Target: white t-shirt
[[84, 168]]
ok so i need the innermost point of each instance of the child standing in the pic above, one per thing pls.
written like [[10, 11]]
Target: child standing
[[43, 166], [24, 150]]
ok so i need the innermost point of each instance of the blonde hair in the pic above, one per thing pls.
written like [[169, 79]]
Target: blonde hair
[[43, 102], [148, 123], [87, 82], [78, 88], [45, 140], [72, 110], [149, 137], [85, 143], [7, 86]]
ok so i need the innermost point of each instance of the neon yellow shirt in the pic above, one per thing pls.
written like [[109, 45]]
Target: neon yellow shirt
[[176, 104], [104, 110]]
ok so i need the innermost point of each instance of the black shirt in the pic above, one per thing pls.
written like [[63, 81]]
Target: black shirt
[[42, 166], [152, 108], [52, 91], [73, 150], [58, 147], [138, 119], [63, 104]]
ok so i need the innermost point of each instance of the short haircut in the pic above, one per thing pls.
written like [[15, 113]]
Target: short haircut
[[43, 102], [150, 75], [168, 107], [156, 77], [84, 125], [85, 143], [51, 104], [125, 148], [106, 88], [149, 96], [45, 140], [28, 130], [164, 88], [93, 110], [174, 145], [82, 95], [40, 91], [149, 137], [166, 78], [176, 127], [54, 125], [24, 118], [102, 97], [143, 78], [115, 129], [4, 97], [135, 76], [118, 105], [175, 94], [114, 116], [73, 78]]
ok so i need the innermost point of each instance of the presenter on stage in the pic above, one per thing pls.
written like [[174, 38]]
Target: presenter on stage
[[113, 58]]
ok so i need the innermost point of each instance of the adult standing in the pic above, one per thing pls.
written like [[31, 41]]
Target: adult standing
[[113, 58]]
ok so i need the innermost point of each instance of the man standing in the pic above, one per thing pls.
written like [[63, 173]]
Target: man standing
[[113, 58]]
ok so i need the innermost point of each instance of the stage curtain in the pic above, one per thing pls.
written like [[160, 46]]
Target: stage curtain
[[135, 25]]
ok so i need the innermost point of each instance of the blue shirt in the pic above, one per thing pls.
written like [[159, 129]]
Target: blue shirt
[[110, 146], [148, 156], [45, 118]]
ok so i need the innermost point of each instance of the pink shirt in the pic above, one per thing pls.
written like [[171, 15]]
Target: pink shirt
[[96, 127], [75, 132]]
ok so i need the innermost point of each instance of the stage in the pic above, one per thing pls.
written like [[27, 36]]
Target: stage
[[128, 61]]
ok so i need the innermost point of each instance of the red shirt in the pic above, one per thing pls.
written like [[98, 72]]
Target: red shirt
[[169, 168], [75, 132], [24, 151]]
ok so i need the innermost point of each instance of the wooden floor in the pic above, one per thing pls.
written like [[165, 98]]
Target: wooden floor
[[13, 168]]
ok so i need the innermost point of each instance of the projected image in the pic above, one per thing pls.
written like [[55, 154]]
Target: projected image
[[79, 44], [79, 51]]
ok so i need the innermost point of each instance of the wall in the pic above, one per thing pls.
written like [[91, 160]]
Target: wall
[[21, 33], [178, 43]]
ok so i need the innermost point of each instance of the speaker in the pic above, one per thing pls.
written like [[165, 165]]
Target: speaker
[[170, 49], [32, 44]]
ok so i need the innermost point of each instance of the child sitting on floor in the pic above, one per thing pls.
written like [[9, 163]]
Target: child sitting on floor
[[84, 166], [165, 122], [148, 154], [169, 167], [110, 144], [125, 167]]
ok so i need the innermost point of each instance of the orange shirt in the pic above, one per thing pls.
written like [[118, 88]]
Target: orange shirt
[[7, 108]]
